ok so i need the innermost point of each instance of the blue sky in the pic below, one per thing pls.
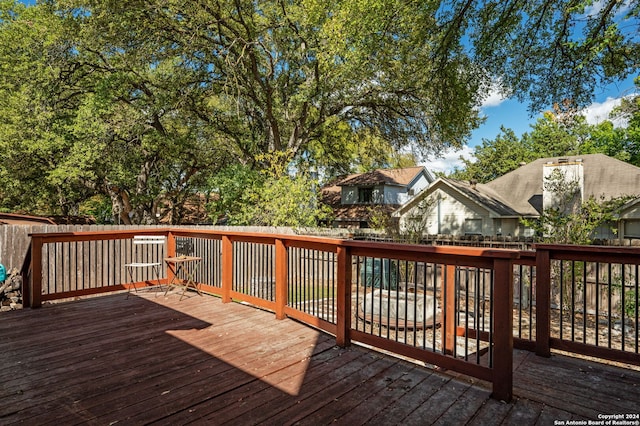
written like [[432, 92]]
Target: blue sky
[[514, 115]]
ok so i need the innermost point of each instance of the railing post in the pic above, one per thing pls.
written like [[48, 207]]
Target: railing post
[[171, 244], [503, 330], [543, 302], [36, 272], [343, 284], [171, 252], [227, 268], [449, 303], [26, 273], [281, 278]]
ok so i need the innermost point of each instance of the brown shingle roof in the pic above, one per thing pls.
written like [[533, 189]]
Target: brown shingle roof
[[400, 177]]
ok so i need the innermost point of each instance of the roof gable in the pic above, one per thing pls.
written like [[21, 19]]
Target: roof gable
[[397, 177], [477, 193]]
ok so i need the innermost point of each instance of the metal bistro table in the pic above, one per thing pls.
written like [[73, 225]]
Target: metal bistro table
[[183, 264]]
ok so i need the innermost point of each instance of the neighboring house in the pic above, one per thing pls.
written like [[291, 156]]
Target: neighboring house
[[494, 209], [353, 197], [21, 219]]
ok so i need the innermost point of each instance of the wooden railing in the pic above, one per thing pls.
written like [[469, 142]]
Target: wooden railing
[[590, 295], [579, 299], [445, 306]]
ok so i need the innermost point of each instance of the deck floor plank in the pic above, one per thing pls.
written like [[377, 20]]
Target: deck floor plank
[[322, 402], [410, 376], [213, 407], [188, 377], [150, 359], [343, 405], [291, 404], [439, 402], [462, 410], [287, 389], [404, 406]]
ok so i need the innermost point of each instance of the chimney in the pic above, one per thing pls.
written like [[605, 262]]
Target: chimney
[[563, 185]]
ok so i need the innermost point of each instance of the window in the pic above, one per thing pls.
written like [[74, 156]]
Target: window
[[473, 226], [365, 195]]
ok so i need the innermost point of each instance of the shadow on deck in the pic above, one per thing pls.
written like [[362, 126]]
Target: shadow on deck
[[148, 359]]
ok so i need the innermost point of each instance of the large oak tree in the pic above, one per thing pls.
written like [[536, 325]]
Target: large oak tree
[[142, 101]]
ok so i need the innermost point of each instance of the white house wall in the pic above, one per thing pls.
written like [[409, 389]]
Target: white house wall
[[393, 194], [448, 213], [406, 195]]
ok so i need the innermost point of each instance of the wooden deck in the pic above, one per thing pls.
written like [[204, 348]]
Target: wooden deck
[[157, 360]]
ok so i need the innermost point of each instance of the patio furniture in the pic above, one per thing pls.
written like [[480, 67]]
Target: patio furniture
[[187, 266], [144, 247]]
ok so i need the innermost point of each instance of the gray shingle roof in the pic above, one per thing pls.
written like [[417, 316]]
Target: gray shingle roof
[[603, 177], [482, 195]]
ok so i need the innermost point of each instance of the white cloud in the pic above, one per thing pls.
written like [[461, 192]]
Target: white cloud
[[598, 6], [448, 160], [493, 99], [598, 112], [594, 9]]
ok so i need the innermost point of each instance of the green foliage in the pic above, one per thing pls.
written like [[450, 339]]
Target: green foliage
[[547, 51], [229, 187], [495, 158], [630, 303], [558, 133], [379, 219], [272, 197], [342, 152], [143, 102]]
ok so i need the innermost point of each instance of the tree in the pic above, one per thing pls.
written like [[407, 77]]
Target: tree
[[78, 122], [275, 74], [343, 152], [551, 51], [495, 158], [280, 198], [142, 101], [559, 133]]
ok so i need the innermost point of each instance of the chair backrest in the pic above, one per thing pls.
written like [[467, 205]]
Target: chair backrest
[[149, 239], [145, 244]]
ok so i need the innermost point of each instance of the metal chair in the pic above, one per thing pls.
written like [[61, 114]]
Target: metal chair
[[143, 244]]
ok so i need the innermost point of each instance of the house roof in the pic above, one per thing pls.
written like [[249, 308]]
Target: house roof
[[399, 177], [332, 193], [478, 193], [483, 195], [21, 219], [519, 193], [604, 176]]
